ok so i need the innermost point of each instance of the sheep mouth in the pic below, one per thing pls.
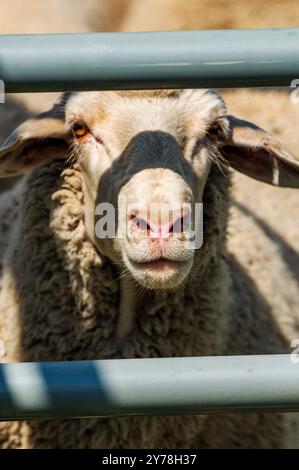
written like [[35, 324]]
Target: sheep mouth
[[159, 273], [159, 264]]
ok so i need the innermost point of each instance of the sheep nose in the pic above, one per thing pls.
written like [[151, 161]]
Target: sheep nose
[[162, 230]]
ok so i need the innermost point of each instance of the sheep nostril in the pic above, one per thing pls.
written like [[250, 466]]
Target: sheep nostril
[[140, 223], [180, 225]]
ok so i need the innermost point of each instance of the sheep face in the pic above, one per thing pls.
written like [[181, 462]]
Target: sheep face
[[149, 157]]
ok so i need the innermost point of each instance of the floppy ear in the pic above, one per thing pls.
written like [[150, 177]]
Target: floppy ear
[[34, 143], [254, 152]]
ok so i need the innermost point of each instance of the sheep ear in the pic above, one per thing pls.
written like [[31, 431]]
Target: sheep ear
[[34, 143], [252, 151]]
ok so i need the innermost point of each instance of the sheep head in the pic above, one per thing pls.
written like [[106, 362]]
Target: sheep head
[[145, 159]]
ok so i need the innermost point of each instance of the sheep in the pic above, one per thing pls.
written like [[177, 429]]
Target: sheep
[[67, 294]]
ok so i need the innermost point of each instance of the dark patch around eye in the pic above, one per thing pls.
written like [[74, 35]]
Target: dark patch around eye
[[216, 132]]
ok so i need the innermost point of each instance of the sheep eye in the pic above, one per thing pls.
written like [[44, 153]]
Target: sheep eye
[[80, 129], [214, 131]]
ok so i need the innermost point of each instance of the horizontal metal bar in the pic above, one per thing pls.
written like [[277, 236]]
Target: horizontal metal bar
[[148, 386], [179, 59]]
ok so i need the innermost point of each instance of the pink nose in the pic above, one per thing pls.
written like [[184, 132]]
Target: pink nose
[[160, 231]]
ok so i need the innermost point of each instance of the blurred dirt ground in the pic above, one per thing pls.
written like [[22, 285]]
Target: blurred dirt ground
[[150, 15]]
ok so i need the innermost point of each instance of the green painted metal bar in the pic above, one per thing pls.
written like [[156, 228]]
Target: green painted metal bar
[[148, 386], [180, 59]]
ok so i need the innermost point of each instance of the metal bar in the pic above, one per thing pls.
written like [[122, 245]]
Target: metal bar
[[180, 59], [148, 386]]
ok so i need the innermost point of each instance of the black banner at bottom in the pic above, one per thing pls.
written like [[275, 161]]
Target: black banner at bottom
[[104, 458]]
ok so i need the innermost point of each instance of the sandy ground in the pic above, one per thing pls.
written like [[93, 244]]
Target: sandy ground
[[153, 15]]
